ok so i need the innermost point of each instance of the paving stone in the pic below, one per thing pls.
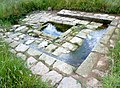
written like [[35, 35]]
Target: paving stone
[[20, 28], [100, 48], [22, 36], [70, 46], [93, 83], [21, 56], [83, 22], [47, 59], [31, 61], [85, 68], [16, 38], [29, 42], [63, 67], [69, 82], [92, 26], [14, 35], [110, 30], [13, 51], [21, 48], [39, 69], [43, 44], [14, 44], [81, 35], [52, 77], [96, 24], [105, 39], [60, 51], [33, 52], [51, 48], [77, 40], [8, 40]]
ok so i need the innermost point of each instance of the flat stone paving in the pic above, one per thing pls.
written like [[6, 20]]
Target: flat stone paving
[[41, 52]]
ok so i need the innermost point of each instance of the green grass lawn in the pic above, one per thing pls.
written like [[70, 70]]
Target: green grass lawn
[[13, 71], [112, 80], [11, 10]]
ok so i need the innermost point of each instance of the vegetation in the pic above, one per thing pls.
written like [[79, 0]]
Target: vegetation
[[13, 73], [112, 80], [11, 10]]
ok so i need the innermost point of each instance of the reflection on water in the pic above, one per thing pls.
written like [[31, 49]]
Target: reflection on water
[[77, 57], [51, 29]]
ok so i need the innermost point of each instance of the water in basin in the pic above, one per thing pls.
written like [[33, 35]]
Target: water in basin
[[77, 57]]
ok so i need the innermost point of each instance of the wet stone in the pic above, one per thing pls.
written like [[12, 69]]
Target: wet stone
[[63, 67], [76, 40], [21, 48], [31, 61], [69, 82], [39, 69], [70, 46], [52, 77], [60, 51], [47, 59]]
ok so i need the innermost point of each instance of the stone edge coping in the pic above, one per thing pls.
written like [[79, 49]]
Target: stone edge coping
[[104, 18]]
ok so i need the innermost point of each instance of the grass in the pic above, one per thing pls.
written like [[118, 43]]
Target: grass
[[12, 10], [13, 72], [112, 80]]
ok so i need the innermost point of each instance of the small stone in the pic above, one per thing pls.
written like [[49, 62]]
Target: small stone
[[69, 82], [77, 40], [51, 48], [52, 77], [21, 48], [29, 42], [93, 83], [31, 61], [14, 44], [70, 46], [49, 8], [47, 59], [63, 67], [43, 44], [103, 63], [33, 52], [16, 39], [60, 50], [39, 69], [21, 56]]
